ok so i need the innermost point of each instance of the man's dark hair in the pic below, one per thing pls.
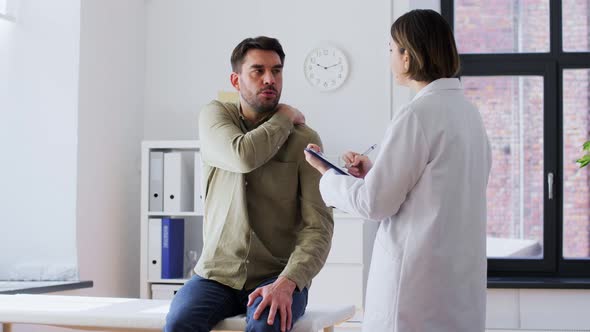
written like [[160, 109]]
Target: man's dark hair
[[258, 43]]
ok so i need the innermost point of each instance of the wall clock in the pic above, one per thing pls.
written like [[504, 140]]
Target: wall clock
[[326, 68]]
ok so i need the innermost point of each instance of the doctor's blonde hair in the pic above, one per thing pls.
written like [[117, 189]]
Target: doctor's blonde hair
[[430, 44]]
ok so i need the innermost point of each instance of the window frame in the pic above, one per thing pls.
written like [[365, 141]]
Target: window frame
[[550, 66]]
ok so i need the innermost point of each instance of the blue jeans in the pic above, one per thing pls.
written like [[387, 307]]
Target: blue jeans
[[202, 303]]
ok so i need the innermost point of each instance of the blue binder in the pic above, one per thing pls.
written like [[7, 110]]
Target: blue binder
[[172, 248]]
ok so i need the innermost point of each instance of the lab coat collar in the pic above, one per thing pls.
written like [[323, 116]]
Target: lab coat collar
[[440, 84]]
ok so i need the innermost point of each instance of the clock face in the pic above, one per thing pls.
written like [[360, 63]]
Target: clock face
[[326, 68]]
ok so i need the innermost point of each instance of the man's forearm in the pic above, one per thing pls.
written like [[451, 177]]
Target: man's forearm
[[312, 249], [224, 145]]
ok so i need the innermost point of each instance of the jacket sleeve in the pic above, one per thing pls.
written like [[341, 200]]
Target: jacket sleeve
[[315, 237], [402, 158], [225, 146]]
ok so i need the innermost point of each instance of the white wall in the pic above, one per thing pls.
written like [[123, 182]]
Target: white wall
[[38, 138], [189, 45], [110, 129], [97, 80], [538, 309]]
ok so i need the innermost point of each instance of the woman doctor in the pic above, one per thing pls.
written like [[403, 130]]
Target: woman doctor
[[427, 188]]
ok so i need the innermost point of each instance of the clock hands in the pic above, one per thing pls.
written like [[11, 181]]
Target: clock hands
[[326, 68]]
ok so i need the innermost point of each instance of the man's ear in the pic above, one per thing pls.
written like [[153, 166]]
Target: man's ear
[[234, 78]]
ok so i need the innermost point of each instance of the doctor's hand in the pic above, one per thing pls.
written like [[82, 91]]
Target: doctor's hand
[[292, 113], [313, 161], [279, 295], [357, 164]]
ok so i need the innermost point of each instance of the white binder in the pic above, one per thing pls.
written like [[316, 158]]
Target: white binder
[[198, 183], [164, 292], [156, 189], [154, 249], [178, 181]]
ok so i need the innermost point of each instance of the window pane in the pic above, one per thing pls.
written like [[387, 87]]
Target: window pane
[[512, 110], [576, 181], [502, 26], [576, 25]]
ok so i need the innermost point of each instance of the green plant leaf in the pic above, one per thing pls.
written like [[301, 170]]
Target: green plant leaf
[[584, 161]]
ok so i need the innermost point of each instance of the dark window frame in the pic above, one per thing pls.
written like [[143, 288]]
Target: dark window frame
[[550, 66]]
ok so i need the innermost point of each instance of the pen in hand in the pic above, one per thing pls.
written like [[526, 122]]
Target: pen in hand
[[371, 148]]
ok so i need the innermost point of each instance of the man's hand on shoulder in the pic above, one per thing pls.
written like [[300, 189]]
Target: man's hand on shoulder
[[292, 113], [279, 295]]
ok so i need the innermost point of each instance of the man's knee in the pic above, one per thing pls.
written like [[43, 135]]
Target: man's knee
[[180, 321], [262, 326]]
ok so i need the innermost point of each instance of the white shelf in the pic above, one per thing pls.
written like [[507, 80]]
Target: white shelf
[[171, 145], [194, 240], [174, 214]]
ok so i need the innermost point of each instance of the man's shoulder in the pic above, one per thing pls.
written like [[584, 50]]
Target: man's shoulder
[[217, 108], [215, 105]]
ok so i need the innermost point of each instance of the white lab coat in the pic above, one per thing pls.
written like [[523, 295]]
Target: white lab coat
[[428, 189]]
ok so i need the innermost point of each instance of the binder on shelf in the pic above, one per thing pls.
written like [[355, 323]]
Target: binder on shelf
[[154, 249], [178, 182], [156, 181], [198, 183], [172, 248]]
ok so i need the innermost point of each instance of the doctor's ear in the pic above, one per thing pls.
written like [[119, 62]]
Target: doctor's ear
[[234, 78], [406, 58]]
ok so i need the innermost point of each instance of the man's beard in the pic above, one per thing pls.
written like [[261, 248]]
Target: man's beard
[[260, 106]]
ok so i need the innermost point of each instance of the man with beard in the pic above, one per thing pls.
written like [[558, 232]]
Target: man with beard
[[267, 231]]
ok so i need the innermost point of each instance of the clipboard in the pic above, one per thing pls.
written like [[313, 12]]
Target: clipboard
[[326, 162]]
